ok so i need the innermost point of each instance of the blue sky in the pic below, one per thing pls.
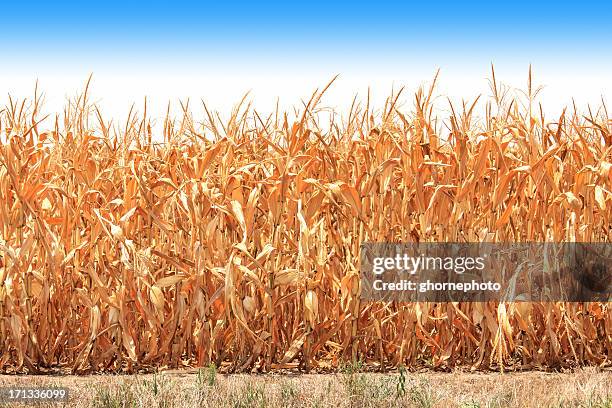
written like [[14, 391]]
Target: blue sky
[[277, 28], [185, 49]]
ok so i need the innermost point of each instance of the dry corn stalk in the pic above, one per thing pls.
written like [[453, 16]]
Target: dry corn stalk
[[238, 242]]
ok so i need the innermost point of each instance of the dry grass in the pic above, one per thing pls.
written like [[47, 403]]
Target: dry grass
[[237, 242], [584, 388]]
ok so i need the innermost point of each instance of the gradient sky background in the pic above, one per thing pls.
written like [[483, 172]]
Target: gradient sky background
[[219, 51]]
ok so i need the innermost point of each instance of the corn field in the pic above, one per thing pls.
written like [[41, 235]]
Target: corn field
[[236, 242]]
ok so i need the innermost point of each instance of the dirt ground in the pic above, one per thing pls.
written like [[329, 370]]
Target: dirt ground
[[348, 388]]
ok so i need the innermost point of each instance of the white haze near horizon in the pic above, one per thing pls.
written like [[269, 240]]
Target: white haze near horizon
[[114, 89]]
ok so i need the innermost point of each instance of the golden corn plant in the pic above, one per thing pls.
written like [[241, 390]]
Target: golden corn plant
[[237, 242]]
